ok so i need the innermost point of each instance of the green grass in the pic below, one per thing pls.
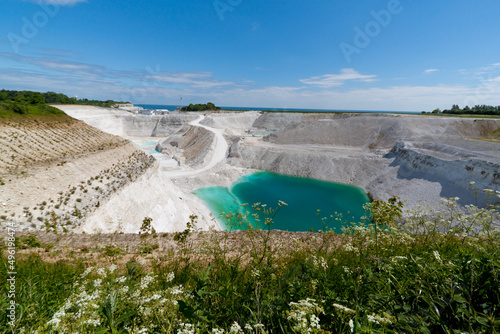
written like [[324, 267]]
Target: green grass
[[9, 109], [434, 274]]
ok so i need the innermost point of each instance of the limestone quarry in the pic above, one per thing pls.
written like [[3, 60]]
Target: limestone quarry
[[125, 167]]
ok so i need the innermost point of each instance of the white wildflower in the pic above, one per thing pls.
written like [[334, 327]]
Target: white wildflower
[[186, 329], [92, 322], [319, 262], [86, 272], [97, 282], [255, 272], [372, 319], [101, 272], [303, 315], [437, 256], [248, 327], [170, 277], [217, 331], [347, 270], [176, 290], [351, 325], [54, 322], [235, 329], [343, 308], [350, 248], [379, 320], [112, 268], [259, 328], [121, 279], [145, 281], [143, 331]]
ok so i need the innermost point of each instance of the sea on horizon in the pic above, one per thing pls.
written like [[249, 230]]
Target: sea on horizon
[[173, 107]]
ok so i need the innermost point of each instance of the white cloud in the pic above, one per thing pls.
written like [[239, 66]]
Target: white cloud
[[431, 70], [156, 86], [197, 79], [336, 80], [61, 2]]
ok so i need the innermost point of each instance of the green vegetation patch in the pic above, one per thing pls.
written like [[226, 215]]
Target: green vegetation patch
[[9, 109], [28, 103], [200, 107], [431, 272]]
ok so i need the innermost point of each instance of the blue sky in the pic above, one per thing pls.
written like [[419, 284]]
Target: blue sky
[[338, 54]]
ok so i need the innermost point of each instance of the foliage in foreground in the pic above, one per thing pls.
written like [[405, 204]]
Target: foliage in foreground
[[431, 272]]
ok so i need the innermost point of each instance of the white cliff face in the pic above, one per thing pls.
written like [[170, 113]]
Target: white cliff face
[[441, 158], [126, 124], [459, 172], [418, 158]]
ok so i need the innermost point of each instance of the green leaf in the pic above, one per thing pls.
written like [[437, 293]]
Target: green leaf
[[186, 309], [459, 299], [125, 317]]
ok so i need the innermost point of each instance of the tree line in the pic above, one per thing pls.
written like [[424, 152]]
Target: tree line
[[29, 102], [476, 110], [200, 107]]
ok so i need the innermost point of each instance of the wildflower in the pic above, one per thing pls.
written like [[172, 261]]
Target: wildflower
[[186, 329], [319, 262], [437, 256], [121, 279], [54, 321], [351, 325], [347, 270], [303, 315], [153, 297], [112, 268], [343, 308], [145, 281], [85, 273], [170, 277], [255, 272], [235, 329], [143, 331], [350, 248], [396, 258], [379, 320], [176, 290], [490, 191], [248, 327], [217, 331], [101, 272], [281, 203], [92, 322], [259, 328], [97, 282]]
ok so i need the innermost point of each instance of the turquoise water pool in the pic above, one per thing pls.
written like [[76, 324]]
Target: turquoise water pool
[[303, 196]]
